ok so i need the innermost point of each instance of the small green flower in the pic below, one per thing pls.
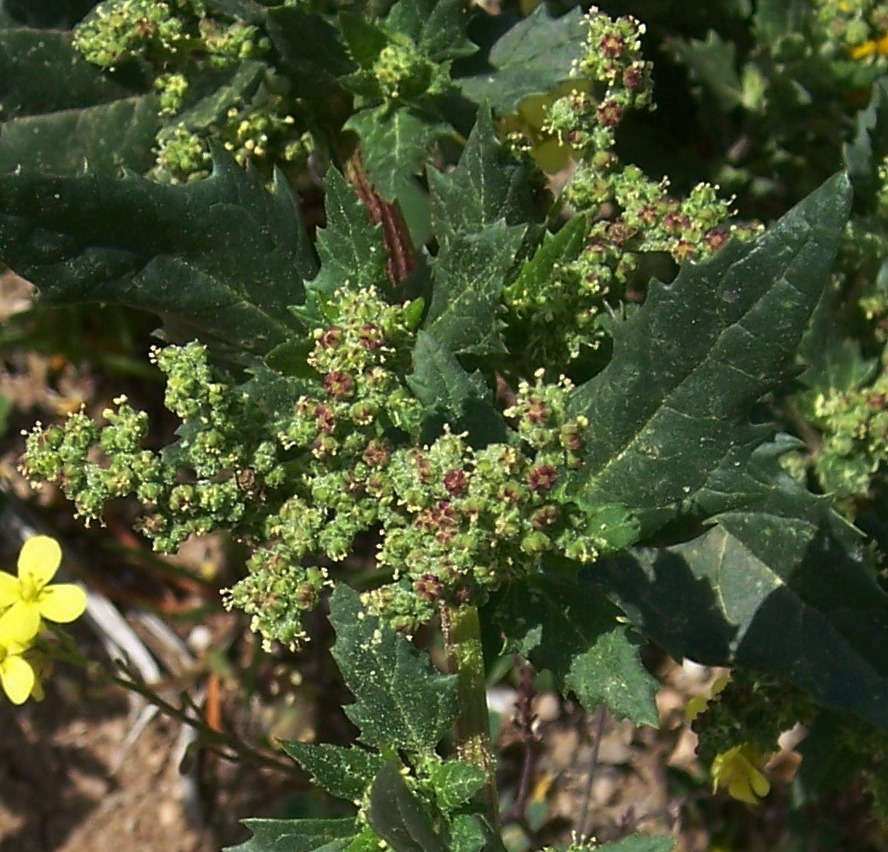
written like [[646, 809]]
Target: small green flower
[[29, 597]]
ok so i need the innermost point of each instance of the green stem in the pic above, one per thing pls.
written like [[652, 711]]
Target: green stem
[[462, 640]]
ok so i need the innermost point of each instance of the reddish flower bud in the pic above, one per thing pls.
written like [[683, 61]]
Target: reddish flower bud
[[456, 482], [612, 45], [537, 411], [610, 113], [330, 337], [716, 238], [339, 384], [429, 587], [542, 478], [371, 336], [376, 454]]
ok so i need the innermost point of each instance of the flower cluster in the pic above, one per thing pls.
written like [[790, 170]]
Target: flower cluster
[[25, 601], [401, 72], [121, 30], [858, 26], [855, 445], [250, 114], [611, 78], [300, 482], [628, 214], [118, 31]]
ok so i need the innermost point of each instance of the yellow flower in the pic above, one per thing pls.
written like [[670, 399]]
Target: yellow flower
[[29, 596], [16, 675], [738, 770], [868, 48]]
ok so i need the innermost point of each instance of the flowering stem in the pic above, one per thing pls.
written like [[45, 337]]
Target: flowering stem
[[462, 640]]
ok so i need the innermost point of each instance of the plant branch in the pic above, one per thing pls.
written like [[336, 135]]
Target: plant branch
[[462, 640]]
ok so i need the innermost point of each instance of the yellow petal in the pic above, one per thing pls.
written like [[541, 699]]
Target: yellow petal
[[39, 560], [759, 784], [62, 602], [868, 48], [17, 678], [10, 589], [19, 624], [740, 790]]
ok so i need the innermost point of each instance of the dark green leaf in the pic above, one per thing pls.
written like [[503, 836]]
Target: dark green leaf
[[351, 247], [59, 14], [395, 145], [437, 27], [571, 629], [775, 19], [297, 835], [773, 589], [484, 188], [400, 701], [687, 366], [40, 72], [108, 137], [365, 40], [345, 772], [236, 87], [712, 63], [869, 148], [470, 273], [451, 395], [638, 843], [312, 52], [222, 256], [398, 816], [531, 58]]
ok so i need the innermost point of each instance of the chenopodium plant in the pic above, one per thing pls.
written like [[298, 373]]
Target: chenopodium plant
[[540, 458]]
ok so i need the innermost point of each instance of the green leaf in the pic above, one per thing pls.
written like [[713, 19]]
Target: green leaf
[[365, 40], [351, 247], [345, 772], [688, 365], [484, 187], [571, 629], [531, 58], [455, 783], [712, 63], [398, 816], [470, 273], [638, 843], [869, 147], [222, 256], [772, 588], [297, 835], [395, 145], [40, 72], [774, 19], [400, 701], [561, 247], [472, 833], [451, 395], [108, 137], [234, 87], [311, 50], [437, 27]]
